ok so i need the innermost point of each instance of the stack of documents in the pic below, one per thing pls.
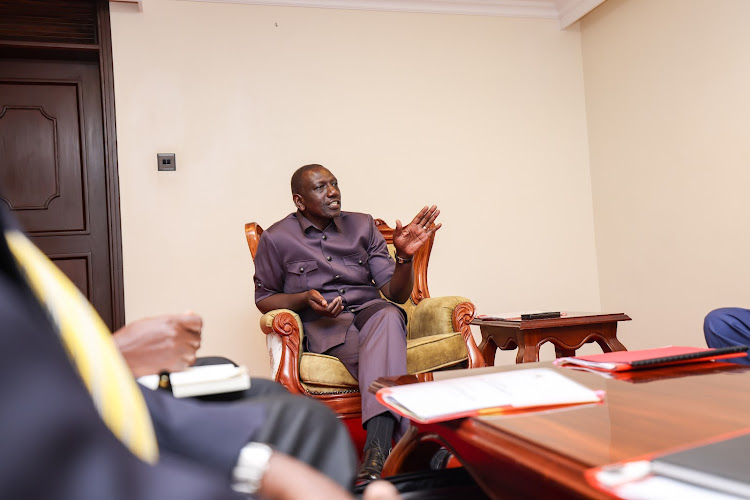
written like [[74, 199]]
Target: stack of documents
[[651, 358], [489, 393]]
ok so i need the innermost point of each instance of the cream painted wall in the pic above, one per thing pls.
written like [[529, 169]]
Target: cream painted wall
[[483, 116], [667, 107]]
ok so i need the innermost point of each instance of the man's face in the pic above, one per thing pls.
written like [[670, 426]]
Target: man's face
[[319, 198]]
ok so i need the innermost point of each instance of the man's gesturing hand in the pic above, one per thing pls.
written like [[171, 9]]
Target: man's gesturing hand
[[408, 239], [321, 306]]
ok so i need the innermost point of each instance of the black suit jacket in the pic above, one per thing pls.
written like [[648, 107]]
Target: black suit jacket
[[53, 444]]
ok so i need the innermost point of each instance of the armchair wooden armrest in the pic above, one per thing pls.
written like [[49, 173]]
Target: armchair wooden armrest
[[436, 315], [283, 329]]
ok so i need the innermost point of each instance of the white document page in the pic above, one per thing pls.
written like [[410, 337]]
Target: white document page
[[515, 389]]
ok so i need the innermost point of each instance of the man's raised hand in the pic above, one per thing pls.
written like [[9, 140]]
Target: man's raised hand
[[410, 238]]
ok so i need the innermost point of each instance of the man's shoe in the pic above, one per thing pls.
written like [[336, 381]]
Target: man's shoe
[[372, 465], [440, 459]]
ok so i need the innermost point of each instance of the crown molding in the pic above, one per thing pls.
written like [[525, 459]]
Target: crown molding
[[545, 9], [566, 12], [570, 11]]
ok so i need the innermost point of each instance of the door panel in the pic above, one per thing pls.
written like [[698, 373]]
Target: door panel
[[52, 169], [41, 134]]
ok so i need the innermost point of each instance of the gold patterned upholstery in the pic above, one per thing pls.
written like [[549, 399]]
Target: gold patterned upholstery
[[438, 337]]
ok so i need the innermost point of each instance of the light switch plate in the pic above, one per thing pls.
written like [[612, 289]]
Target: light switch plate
[[166, 161]]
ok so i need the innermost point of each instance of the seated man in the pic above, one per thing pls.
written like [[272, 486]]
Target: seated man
[[63, 441], [726, 327], [330, 266]]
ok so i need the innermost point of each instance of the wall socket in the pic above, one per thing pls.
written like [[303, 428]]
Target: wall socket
[[166, 161]]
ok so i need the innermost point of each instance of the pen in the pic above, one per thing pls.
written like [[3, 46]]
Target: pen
[[164, 380]]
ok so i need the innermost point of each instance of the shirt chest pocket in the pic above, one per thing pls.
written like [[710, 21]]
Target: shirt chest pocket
[[298, 275], [357, 267]]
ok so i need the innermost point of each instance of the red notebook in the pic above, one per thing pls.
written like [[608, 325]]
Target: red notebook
[[651, 358]]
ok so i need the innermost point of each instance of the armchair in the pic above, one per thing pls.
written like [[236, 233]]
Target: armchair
[[438, 337]]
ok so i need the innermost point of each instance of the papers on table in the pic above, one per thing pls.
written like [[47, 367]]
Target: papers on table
[[500, 392], [651, 358]]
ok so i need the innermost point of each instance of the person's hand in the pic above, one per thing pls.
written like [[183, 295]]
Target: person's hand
[[380, 490], [410, 238], [290, 479], [163, 343], [317, 303]]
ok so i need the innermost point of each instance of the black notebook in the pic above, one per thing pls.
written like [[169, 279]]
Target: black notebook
[[722, 465]]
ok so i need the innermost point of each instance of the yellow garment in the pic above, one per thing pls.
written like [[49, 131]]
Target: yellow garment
[[91, 348]]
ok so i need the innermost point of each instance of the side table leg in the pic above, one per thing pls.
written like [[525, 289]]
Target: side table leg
[[561, 352], [488, 347], [527, 354], [528, 342], [609, 340]]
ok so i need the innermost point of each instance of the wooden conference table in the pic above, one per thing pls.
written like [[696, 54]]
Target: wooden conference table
[[545, 454]]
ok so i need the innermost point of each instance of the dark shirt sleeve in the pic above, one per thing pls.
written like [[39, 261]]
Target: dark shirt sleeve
[[269, 271], [380, 261]]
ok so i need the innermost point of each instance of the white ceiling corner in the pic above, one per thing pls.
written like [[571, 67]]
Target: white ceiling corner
[[566, 12], [570, 11]]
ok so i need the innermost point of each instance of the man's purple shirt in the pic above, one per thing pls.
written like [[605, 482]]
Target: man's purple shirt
[[349, 258]]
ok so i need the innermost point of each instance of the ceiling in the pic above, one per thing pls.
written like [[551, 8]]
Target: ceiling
[[566, 12]]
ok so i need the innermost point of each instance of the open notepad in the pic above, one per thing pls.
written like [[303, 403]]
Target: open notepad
[[203, 380], [488, 393]]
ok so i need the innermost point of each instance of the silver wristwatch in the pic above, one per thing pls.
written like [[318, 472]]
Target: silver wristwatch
[[251, 465]]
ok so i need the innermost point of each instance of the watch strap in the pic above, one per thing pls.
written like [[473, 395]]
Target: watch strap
[[401, 260], [252, 464]]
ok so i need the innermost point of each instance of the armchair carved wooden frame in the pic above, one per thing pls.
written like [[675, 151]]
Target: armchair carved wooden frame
[[439, 337]]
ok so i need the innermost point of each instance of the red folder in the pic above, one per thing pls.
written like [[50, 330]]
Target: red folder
[[651, 358]]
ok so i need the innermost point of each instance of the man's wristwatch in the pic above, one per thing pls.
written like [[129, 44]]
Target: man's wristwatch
[[401, 260], [251, 465]]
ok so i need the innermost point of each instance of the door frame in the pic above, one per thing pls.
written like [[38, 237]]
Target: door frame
[[21, 44], [107, 80]]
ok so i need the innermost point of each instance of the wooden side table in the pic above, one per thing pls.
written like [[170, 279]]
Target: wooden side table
[[568, 333]]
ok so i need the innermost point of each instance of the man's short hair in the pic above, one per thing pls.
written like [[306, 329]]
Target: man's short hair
[[297, 176]]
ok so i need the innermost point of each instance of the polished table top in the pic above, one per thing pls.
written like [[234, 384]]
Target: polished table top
[[568, 318], [644, 412]]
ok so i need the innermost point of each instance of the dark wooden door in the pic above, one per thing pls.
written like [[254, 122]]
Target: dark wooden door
[[52, 167]]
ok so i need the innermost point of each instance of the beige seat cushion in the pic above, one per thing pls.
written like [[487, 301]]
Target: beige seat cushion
[[320, 373], [427, 354]]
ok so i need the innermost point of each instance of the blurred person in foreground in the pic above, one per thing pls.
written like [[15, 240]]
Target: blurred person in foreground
[[75, 425]]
